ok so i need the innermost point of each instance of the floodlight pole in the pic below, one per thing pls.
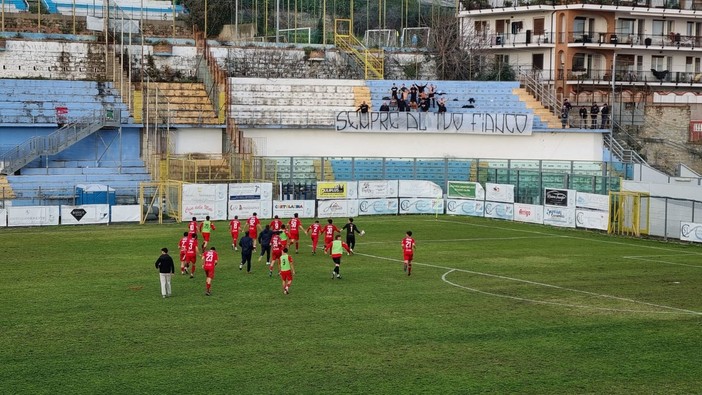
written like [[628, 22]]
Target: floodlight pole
[[277, 21]]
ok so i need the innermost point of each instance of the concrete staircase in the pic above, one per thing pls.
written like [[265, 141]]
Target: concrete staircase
[[361, 94], [189, 103], [328, 170], [538, 108], [6, 191]]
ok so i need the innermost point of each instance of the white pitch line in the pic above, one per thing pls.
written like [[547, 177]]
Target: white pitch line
[[450, 269], [475, 239], [636, 258]]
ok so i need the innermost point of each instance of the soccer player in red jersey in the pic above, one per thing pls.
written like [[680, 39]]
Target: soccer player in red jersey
[[191, 250], [336, 248], [276, 224], [276, 251], [192, 227], [234, 228], [182, 246], [294, 226], [313, 231], [329, 231], [209, 261], [254, 226], [408, 247]]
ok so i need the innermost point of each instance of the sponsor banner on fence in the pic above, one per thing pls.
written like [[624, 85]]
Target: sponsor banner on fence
[[559, 216], [499, 192], [85, 214], [592, 201], [3, 218], [33, 216], [499, 210], [465, 190], [377, 206], [127, 213], [559, 197], [421, 206], [475, 208], [529, 213], [287, 208], [691, 231], [419, 189], [591, 219], [200, 200], [337, 189], [245, 208], [251, 191], [337, 208], [377, 189]]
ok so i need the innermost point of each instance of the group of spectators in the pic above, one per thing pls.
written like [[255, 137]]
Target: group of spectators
[[595, 111], [417, 97]]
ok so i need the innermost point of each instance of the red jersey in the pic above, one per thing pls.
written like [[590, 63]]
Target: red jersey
[[276, 243], [295, 225], [183, 244], [192, 227], [314, 229], [253, 223], [408, 244], [276, 224], [191, 246], [234, 226], [329, 231], [210, 258]]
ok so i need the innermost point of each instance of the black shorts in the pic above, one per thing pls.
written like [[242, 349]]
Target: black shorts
[[337, 260]]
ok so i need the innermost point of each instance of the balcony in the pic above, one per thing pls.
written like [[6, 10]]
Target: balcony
[[473, 5], [525, 38], [612, 40], [624, 77]]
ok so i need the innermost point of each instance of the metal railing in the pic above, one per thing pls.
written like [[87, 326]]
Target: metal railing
[[14, 159], [470, 5], [532, 81], [669, 40], [623, 76], [623, 154], [372, 60]]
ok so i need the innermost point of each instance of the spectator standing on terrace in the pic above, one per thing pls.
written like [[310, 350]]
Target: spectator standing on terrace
[[384, 107], [564, 117], [413, 97], [424, 104], [566, 105], [605, 116], [166, 268], [442, 105], [393, 92], [583, 117], [431, 91], [363, 108], [594, 110], [420, 89]]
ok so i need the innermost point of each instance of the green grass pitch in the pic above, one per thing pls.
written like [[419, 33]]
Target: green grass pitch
[[491, 307]]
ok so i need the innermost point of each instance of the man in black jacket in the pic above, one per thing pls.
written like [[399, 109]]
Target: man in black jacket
[[264, 240], [166, 268], [247, 246]]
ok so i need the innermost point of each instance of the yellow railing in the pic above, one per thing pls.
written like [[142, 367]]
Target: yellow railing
[[372, 60]]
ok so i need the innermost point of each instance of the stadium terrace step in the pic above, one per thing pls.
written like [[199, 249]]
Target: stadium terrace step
[[185, 112], [6, 191], [545, 115]]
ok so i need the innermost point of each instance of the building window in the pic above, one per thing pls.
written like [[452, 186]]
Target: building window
[[539, 26]]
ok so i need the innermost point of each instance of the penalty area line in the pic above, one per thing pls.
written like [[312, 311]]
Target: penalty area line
[[451, 269]]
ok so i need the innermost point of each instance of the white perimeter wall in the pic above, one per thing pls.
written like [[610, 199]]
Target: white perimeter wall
[[325, 142], [198, 140]]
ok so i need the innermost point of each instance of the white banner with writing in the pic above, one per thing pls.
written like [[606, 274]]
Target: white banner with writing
[[377, 206], [287, 208], [591, 219], [420, 189], [529, 213], [499, 210], [691, 231], [200, 200], [559, 216], [475, 122], [377, 189], [337, 208], [33, 216], [85, 214], [421, 206], [3, 217], [245, 208], [475, 208], [592, 201], [126, 213], [499, 192]]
